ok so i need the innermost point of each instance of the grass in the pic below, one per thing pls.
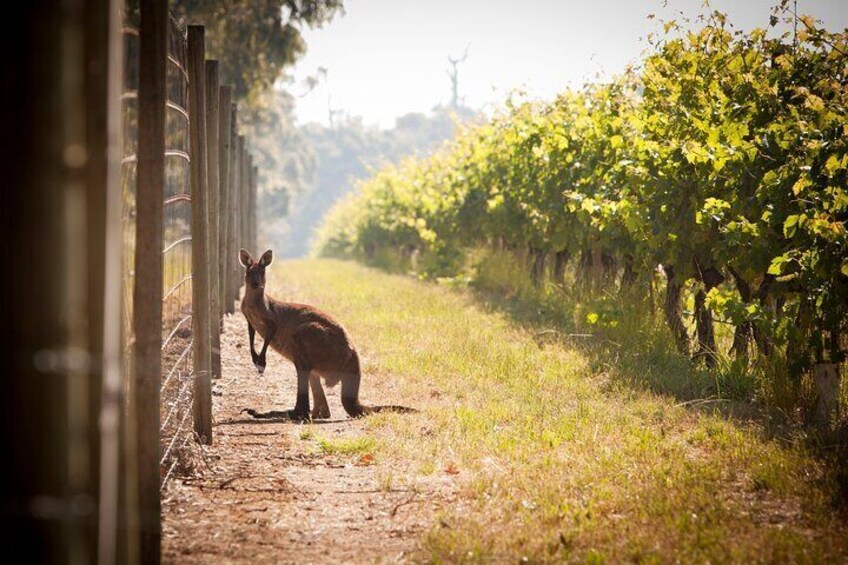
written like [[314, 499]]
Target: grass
[[346, 446], [625, 335], [557, 457]]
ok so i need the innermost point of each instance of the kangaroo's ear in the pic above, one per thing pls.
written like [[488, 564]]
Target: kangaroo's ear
[[245, 258], [266, 258]]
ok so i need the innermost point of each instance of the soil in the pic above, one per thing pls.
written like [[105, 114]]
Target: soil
[[264, 492]]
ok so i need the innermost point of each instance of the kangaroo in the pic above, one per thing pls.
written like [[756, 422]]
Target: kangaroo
[[316, 343]]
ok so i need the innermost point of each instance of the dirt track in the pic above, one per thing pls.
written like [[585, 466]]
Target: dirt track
[[266, 493]]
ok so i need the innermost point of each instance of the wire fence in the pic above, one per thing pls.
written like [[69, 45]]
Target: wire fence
[[209, 178], [129, 129], [176, 392], [110, 176]]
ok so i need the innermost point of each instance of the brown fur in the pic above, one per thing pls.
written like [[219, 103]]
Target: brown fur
[[314, 341]]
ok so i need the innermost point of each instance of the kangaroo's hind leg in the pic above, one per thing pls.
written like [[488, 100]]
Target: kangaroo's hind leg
[[320, 408], [301, 406]]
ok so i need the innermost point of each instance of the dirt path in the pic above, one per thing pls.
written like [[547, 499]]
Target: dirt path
[[268, 493], [521, 452]]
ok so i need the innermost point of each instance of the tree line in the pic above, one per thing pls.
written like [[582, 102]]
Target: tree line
[[717, 166]]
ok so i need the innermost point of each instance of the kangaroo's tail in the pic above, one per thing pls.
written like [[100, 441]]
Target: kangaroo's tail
[[273, 414], [350, 393], [357, 410], [389, 408]]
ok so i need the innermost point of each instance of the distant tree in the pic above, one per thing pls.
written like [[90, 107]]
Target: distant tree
[[285, 157], [454, 77], [255, 39], [343, 154]]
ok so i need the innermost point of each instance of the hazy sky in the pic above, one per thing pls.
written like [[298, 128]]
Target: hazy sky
[[389, 57]]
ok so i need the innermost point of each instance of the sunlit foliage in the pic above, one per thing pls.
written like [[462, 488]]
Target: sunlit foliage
[[720, 162]]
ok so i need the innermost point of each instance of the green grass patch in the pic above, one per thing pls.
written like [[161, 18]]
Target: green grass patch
[[557, 453], [346, 445]]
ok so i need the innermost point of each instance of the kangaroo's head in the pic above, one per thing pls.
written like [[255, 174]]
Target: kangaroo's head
[[254, 271]]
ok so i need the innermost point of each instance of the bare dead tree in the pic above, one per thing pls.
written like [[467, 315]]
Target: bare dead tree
[[454, 77]]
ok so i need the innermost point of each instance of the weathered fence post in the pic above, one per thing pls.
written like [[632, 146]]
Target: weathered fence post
[[254, 208], [213, 211], [147, 325], [235, 211], [201, 354], [241, 205], [105, 57], [56, 205], [225, 96], [147, 294], [246, 164]]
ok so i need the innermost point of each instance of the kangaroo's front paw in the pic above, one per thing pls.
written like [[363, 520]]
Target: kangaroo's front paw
[[259, 361]]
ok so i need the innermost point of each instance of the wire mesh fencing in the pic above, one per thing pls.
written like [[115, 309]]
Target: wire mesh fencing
[[129, 127], [191, 207], [176, 390]]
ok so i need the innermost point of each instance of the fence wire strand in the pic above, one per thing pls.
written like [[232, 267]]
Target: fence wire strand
[[176, 394]]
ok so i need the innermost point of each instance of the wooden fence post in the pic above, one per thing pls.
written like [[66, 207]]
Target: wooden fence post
[[248, 232], [32, 107], [201, 355], [57, 205], [254, 208], [213, 211], [147, 295], [242, 156], [251, 206], [233, 215], [235, 212], [246, 164], [225, 96], [249, 189], [105, 67]]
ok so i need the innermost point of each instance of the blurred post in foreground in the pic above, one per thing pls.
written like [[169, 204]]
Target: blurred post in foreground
[[60, 304]]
